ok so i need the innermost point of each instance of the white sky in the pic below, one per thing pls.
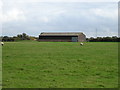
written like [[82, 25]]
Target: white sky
[[63, 0], [36, 16]]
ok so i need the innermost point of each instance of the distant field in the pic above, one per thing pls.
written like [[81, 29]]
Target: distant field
[[60, 65]]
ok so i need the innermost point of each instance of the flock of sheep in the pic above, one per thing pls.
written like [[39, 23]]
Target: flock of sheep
[[2, 43]]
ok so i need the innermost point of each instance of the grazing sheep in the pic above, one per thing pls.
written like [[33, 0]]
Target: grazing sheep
[[81, 44], [2, 43]]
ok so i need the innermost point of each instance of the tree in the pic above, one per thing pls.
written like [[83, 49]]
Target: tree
[[23, 36]]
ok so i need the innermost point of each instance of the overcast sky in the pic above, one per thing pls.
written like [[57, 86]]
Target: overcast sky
[[36, 16]]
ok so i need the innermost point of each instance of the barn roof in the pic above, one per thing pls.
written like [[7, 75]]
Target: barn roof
[[60, 33]]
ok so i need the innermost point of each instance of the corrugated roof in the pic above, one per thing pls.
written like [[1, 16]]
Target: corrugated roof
[[60, 33]]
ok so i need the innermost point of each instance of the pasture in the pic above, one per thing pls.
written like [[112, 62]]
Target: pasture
[[60, 65]]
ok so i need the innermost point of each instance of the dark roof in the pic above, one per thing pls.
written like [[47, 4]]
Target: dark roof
[[60, 33]]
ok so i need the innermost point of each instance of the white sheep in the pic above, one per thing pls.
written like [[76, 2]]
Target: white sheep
[[2, 43], [81, 44]]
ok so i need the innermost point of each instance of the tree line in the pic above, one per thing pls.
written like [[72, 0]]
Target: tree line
[[104, 39], [24, 36], [19, 37]]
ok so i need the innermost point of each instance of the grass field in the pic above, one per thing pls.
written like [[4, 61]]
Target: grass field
[[60, 65]]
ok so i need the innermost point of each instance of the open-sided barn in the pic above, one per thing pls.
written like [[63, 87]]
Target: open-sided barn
[[62, 37]]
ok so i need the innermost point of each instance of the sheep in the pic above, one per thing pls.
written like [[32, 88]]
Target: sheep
[[2, 43], [81, 44]]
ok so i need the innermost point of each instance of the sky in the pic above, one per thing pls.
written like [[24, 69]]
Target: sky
[[92, 17]]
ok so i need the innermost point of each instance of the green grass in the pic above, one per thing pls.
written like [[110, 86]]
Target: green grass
[[60, 65]]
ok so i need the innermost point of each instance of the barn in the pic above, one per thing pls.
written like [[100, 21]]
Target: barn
[[62, 37]]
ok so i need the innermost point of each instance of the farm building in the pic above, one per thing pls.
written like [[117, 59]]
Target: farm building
[[62, 37]]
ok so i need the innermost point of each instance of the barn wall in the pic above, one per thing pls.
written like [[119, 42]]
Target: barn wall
[[81, 38]]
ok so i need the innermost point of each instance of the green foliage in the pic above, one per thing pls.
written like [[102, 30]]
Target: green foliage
[[60, 65], [6, 38], [23, 36]]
